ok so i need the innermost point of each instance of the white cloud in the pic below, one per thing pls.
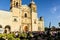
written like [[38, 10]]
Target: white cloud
[[53, 10]]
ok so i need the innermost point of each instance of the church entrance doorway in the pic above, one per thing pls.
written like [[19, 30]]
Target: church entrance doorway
[[25, 28]]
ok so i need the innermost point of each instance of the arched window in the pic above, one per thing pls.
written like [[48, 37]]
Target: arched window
[[25, 15], [7, 26], [7, 29], [17, 4]]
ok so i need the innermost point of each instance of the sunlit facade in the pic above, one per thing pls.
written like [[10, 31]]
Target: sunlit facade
[[21, 17]]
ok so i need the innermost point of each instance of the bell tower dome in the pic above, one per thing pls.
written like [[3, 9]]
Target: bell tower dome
[[32, 5]]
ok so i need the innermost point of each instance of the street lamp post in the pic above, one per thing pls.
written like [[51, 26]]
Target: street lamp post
[[48, 32]]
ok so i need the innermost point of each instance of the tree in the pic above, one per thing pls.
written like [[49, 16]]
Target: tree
[[53, 28], [46, 28], [59, 24]]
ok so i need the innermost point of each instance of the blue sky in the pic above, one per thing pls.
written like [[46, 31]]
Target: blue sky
[[49, 9]]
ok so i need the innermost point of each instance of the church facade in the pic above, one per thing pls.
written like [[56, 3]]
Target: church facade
[[21, 17]]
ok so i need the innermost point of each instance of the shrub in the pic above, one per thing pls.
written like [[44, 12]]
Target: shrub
[[10, 37], [17, 39]]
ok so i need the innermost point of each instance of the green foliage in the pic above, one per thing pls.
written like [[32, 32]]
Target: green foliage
[[46, 28], [24, 35], [1, 35], [11, 36], [17, 39]]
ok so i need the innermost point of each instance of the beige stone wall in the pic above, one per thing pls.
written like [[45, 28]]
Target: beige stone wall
[[15, 14], [40, 25], [34, 25], [3, 18]]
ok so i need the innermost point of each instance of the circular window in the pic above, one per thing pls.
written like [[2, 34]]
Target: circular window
[[15, 19]]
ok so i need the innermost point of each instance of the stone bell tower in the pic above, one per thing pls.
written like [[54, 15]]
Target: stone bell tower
[[33, 7], [15, 3], [15, 14]]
